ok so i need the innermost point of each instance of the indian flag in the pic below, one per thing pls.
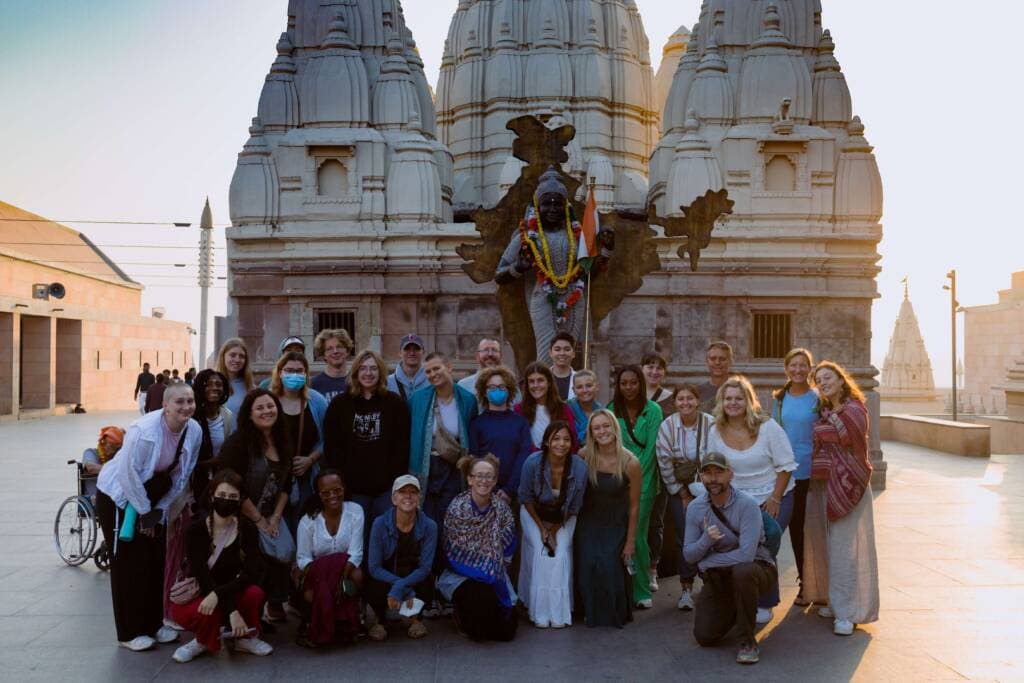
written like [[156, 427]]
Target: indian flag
[[591, 223]]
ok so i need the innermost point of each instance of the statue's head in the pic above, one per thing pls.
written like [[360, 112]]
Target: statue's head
[[551, 196]]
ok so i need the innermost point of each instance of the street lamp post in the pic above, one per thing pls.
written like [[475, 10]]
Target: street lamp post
[[953, 306], [205, 276]]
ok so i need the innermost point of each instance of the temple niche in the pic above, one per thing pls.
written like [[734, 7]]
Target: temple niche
[[908, 385], [759, 106], [586, 62]]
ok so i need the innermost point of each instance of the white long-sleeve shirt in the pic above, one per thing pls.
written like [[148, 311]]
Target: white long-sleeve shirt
[[124, 477], [314, 541], [755, 468]]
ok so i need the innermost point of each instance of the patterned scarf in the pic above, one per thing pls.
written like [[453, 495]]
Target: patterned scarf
[[841, 456], [476, 542]]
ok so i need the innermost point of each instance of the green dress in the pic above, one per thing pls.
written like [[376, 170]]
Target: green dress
[[641, 443], [605, 589]]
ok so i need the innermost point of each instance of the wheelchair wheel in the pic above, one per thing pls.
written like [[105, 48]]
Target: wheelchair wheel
[[102, 557], [74, 531]]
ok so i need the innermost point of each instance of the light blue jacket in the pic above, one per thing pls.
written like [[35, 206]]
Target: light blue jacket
[[411, 386], [421, 410]]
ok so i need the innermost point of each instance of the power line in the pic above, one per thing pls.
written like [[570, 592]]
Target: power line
[[176, 224], [105, 246]]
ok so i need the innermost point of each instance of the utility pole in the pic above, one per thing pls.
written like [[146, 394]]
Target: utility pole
[[953, 306], [205, 276]]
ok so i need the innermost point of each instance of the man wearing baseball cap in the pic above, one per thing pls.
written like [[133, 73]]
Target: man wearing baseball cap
[[409, 375], [401, 551], [725, 539]]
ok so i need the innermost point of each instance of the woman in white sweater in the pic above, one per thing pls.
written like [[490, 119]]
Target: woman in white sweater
[[682, 442], [761, 457], [328, 554]]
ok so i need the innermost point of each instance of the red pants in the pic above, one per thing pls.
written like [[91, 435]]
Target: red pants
[[207, 627]]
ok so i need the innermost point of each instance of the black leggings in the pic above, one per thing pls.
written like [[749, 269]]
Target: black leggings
[[796, 525], [136, 577], [480, 614]]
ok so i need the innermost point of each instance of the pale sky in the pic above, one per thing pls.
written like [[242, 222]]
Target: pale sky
[[137, 111]]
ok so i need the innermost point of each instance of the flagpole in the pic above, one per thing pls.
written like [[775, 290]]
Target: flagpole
[[591, 181]]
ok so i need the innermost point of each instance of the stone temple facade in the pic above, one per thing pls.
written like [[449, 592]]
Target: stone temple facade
[[671, 54], [342, 198], [759, 106], [586, 61], [907, 380]]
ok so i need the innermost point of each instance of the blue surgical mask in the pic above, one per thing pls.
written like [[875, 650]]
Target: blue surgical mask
[[293, 382], [497, 395]]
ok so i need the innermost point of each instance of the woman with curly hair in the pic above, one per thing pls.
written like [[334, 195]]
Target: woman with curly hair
[[499, 430], [840, 561]]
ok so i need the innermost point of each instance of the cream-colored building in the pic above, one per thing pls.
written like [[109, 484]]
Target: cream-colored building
[[85, 348], [993, 341]]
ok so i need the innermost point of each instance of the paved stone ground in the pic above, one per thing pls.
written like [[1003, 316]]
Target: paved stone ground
[[951, 550]]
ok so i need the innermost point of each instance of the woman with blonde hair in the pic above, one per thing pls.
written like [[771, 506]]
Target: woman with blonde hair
[[840, 561], [606, 528], [233, 363], [761, 458], [796, 411]]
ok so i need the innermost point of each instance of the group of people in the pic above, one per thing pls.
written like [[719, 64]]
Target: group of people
[[418, 496], [158, 383]]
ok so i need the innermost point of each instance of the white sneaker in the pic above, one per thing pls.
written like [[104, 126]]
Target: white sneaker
[[764, 615], [653, 585], [842, 627], [685, 601], [188, 651], [645, 604], [166, 634], [825, 612], [253, 646], [139, 643]]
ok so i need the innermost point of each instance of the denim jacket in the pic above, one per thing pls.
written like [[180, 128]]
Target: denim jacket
[[384, 541], [535, 486]]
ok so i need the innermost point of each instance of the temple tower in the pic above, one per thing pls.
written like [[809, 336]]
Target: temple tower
[[907, 373], [341, 199], [586, 61], [760, 106]]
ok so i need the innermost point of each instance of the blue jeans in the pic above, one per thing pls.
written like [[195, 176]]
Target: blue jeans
[[440, 495], [373, 507], [686, 570], [771, 598]]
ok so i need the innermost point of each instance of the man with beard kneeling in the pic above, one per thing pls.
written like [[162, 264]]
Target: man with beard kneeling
[[725, 539]]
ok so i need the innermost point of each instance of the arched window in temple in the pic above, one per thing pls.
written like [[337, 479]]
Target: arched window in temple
[[332, 179], [780, 175]]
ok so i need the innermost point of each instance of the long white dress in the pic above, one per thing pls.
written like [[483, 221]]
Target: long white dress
[[545, 582]]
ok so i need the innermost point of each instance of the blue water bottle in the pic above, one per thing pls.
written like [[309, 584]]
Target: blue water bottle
[[127, 532]]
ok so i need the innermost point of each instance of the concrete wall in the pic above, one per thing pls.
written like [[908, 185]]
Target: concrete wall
[[993, 339], [1007, 434], [959, 438]]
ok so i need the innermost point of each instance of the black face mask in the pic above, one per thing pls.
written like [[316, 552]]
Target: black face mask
[[226, 507]]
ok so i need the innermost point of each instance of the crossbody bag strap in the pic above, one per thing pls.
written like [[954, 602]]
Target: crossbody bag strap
[[629, 428], [721, 516]]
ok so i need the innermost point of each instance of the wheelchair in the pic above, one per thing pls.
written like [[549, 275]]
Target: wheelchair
[[76, 529]]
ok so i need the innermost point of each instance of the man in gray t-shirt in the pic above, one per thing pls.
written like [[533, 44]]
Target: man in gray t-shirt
[[719, 360]]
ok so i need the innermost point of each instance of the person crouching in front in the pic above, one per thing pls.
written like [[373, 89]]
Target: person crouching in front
[[725, 539], [403, 542]]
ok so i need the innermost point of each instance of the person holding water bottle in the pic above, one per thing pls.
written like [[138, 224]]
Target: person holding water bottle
[[138, 485]]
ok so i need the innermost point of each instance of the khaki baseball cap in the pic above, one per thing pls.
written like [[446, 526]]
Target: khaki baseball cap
[[405, 480]]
